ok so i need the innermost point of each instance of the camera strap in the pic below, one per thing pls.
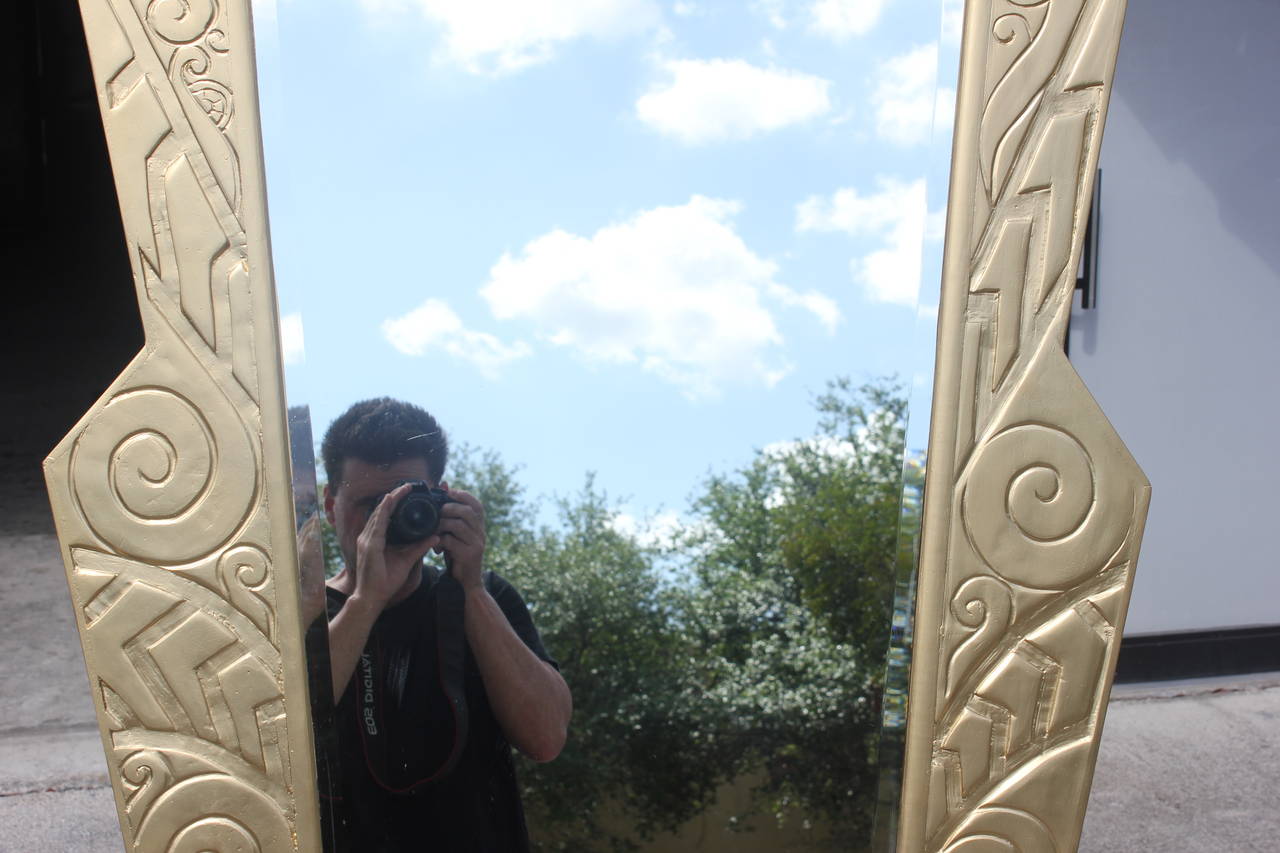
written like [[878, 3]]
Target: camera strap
[[379, 671]]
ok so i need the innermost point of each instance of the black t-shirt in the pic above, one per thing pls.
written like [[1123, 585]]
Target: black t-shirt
[[388, 806]]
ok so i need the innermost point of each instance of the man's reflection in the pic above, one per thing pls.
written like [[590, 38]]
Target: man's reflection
[[436, 672]]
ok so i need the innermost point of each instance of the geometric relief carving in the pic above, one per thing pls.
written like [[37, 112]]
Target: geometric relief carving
[[195, 706], [195, 229], [1000, 277], [195, 689], [1034, 508], [182, 578]]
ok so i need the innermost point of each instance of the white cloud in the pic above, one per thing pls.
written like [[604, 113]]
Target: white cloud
[[720, 99], [935, 225], [904, 96], [293, 347], [896, 214], [773, 10], [654, 531], [952, 20], [944, 112], [824, 446], [842, 19], [819, 305], [434, 325], [673, 290], [828, 451], [501, 36]]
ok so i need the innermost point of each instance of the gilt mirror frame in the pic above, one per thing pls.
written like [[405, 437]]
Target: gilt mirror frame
[[173, 502]]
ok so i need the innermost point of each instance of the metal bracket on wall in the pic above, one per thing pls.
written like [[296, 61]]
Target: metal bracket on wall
[[1087, 278]]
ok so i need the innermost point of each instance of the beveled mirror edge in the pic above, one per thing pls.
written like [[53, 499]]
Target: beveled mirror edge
[[167, 493], [1006, 705]]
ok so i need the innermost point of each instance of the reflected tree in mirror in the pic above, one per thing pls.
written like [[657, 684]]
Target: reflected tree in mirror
[[744, 647]]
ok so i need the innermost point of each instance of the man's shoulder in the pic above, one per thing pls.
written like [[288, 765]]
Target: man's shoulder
[[504, 592], [495, 582], [513, 606]]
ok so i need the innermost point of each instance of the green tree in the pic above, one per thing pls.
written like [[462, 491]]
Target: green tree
[[840, 510], [753, 642], [636, 745], [794, 562]]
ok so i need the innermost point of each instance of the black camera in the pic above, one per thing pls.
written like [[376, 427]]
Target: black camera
[[417, 515]]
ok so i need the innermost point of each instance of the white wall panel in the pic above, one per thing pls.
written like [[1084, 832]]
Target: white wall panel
[[1182, 348]]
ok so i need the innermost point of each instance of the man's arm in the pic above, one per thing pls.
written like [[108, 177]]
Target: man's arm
[[348, 633], [530, 700], [382, 577]]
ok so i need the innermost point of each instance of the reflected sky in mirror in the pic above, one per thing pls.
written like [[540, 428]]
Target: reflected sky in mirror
[[638, 220], [629, 240]]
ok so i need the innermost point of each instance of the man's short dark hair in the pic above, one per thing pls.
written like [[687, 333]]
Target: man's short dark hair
[[383, 431]]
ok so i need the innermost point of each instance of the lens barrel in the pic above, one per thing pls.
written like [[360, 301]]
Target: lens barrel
[[417, 515]]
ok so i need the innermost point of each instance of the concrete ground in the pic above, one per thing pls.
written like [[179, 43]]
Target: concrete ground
[[54, 794], [1190, 766]]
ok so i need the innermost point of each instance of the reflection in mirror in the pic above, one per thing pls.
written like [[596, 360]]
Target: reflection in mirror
[[653, 270], [315, 637], [937, 168]]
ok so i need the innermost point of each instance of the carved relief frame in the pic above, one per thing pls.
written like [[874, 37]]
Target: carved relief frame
[[172, 495], [173, 502], [1034, 510]]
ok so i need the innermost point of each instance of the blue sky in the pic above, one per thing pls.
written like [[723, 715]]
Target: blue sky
[[621, 236]]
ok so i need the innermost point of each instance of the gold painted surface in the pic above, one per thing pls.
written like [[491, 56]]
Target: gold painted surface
[[171, 496], [1034, 509]]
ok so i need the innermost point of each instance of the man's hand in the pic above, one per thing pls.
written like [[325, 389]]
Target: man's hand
[[382, 574], [382, 569], [461, 537], [311, 569]]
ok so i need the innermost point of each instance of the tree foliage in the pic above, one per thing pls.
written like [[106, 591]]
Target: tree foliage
[[751, 644]]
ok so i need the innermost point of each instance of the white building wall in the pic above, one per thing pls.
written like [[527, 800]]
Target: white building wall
[[1182, 350]]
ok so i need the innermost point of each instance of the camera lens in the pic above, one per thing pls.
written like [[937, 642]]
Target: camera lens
[[414, 519], [419, 515]]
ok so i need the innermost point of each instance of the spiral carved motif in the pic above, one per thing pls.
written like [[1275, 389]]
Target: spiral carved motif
[[216, 39], [150, 772], [213, 812], [191, 66], [249, 565], [165, 490], [1002, 830], [1007, 28], [245, 572], [181, 21], [214, 834], [982, 601], [200, 66], [1038, 511], [986, 605]]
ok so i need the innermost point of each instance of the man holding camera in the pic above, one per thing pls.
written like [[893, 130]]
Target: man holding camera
[[437, 673]]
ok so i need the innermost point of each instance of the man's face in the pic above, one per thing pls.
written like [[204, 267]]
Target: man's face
[[349, 505]]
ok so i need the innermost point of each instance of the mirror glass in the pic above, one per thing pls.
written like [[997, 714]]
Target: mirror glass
[[654, 268], [936, 165]]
